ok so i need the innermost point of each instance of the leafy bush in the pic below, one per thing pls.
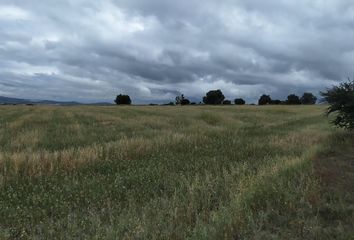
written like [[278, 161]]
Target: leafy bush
[[341, 101], [226, 102]]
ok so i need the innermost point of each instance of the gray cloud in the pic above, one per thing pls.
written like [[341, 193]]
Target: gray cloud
[[152, 50]]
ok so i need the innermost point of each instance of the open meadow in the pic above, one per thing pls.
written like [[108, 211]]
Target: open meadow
[[171, 172]]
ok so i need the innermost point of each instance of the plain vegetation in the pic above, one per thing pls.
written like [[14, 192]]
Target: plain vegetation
[[173, 172]]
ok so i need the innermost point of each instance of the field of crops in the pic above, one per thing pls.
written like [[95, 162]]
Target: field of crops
[[172, 172]]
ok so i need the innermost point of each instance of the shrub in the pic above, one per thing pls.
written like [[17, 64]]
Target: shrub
[[168, 104], [226, 102], [341, 101]]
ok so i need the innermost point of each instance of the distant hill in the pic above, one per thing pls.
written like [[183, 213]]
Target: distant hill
[[7, 100]]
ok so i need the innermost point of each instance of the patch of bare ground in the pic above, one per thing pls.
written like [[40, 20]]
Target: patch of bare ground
[[335, 170]]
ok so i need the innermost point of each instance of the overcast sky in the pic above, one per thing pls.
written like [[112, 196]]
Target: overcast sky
[[90, 50]]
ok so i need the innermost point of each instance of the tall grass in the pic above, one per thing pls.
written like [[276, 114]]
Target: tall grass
[[193, 172]]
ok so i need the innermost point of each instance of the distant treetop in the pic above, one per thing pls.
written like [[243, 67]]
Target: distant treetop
[[308, 98], [123, 100], [293, 99], [214, 97], [264, 100], [239, 101], [181, 100]]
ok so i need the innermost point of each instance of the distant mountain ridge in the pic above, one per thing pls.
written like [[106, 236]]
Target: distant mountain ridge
[[8, 100]]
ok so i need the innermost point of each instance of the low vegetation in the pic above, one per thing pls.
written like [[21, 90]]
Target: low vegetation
[[201, 172]]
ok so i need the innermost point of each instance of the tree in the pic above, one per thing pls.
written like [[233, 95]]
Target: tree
[[341, 101], [214, 97], [181, 100], [275, 102], [293, 100], [226, 102], [178, 99], [123, 99], [185, 101], [264, 99], [308, 98], [239, 101]]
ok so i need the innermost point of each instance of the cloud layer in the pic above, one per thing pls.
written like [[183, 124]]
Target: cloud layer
[[152, 50]]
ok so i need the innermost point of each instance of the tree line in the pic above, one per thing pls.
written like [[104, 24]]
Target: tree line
[[340, 100], [216, 97]]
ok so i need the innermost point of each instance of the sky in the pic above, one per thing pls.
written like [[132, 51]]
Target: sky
[[153, 50]]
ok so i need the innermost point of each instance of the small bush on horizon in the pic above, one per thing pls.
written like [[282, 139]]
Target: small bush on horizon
[[226, 102]]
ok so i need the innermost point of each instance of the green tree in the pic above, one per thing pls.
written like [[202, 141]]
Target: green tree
[[214, 97], [293, 100], [264, 100], [123, 99], [341, 102], [275, 102], [181, 100], [308, 98], [239, 101], [185, 101]]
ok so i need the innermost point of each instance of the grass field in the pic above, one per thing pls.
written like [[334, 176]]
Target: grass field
[[196, 172]]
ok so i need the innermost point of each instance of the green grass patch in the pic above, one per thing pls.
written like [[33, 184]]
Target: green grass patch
[[194, 172]]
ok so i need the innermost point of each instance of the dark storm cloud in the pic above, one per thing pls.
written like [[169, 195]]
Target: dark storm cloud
[[153, 50]]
